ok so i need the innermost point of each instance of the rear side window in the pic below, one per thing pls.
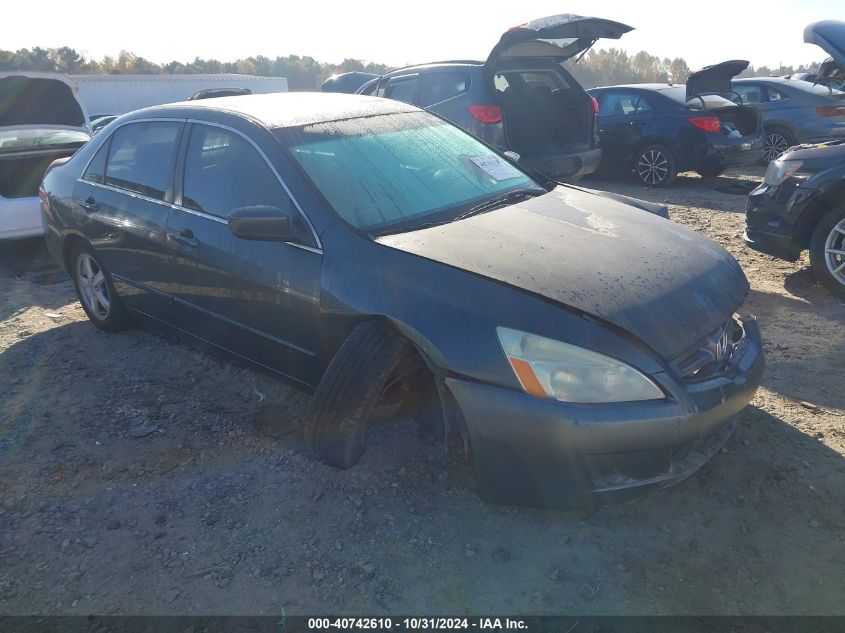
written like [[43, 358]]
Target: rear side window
[[621, 104], [437, 87], [224, 172], [141, 157], [96, 171], [405, 89]]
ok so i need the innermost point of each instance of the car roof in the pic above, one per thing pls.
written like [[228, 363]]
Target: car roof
[[776, 80], [284, 109], [652, 87], [434, 65]]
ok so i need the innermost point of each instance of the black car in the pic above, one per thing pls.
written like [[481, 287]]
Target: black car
[[383, 258], [521, 98], [800, 206], [656, 131], [801, 203]]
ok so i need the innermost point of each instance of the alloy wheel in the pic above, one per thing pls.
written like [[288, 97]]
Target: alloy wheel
[[774, 145], [834, 252], [653, 167], [92, 286]]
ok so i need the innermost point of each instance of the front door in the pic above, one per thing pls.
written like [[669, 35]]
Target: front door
[[258, 299]]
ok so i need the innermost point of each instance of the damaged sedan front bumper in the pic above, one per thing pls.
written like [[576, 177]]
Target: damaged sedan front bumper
[[544, 453]]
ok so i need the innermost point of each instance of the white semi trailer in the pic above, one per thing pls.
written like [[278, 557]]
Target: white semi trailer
[[118, 94]]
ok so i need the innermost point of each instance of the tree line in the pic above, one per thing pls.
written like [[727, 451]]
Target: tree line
[[596, 68]]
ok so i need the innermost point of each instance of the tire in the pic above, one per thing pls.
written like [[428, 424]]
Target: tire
[[654, 166], [96, 291], [710, 172], [775, 142], [348, 391], [829, 267]]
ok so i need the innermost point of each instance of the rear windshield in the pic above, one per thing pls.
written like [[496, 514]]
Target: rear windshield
[[703, 102], [31, 139], [396, 172], [817, 89]]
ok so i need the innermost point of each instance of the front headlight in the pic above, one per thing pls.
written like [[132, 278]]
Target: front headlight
[[550, 369], [780, 170]]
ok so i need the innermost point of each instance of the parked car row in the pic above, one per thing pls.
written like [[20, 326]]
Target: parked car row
[[522, 99]]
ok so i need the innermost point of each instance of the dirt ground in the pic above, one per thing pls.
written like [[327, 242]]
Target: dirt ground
[[140, 476]]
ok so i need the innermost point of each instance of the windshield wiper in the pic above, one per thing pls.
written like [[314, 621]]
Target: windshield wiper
[[500, 200]]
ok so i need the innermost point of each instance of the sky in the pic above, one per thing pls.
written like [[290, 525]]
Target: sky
[[401, 32]]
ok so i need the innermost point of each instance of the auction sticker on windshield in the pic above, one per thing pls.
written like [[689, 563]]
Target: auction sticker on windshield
[[496, 167]]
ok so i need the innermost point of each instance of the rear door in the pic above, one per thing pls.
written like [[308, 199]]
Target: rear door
[[444, 92], [830, 36], [123, 201], [556, 37], [404, 88], [623, 115], [256, 299]]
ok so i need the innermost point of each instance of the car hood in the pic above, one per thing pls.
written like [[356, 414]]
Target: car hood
[[830, 35], [715, 79], [40, 100], [558, 37], [663, 283]]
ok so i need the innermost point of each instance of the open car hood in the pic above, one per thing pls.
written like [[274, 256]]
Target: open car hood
[[830, 36], [40, 100], [558, 37], [715, 79], [665, 284]]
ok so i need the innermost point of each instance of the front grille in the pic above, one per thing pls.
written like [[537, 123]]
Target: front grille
[[714, 354]]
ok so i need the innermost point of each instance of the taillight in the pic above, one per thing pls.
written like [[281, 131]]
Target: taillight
[[706, 123], [486, 113], [826, 111], [595, 105]]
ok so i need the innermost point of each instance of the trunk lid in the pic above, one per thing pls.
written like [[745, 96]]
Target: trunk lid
[[830, 36], [715, 79], [558, 37], [663, 283], [42, 100]]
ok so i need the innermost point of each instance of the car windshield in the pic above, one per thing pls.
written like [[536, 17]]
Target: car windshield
[[396, 172], [701, 102], [16, 140]]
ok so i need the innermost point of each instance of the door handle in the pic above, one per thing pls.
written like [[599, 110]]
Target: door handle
[[89, 204], [186, 237]]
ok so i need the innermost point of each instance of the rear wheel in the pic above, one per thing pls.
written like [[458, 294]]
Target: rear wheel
[[96, 291], [349, 391], [654, 166], [827, 251], [776, 142]]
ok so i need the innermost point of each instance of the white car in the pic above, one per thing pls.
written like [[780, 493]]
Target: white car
[[41, 120]]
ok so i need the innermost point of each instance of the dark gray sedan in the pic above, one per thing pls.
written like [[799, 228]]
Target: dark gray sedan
[[385, 259], [794, 111]]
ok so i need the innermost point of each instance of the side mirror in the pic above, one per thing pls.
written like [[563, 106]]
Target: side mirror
[[261, 223], [512, 156]]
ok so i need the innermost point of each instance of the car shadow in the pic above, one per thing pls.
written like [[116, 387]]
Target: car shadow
[[29, 259]]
